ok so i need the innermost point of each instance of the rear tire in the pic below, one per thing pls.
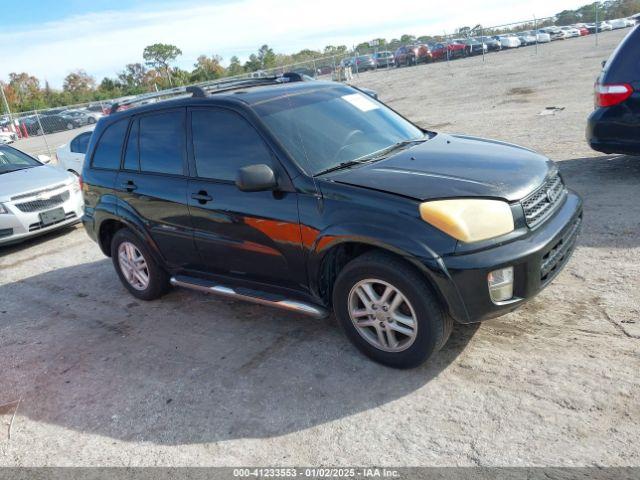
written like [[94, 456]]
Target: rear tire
[[401, 328], [138, 270]]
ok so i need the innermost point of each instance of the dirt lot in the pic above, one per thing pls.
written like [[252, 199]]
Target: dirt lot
[[107, 380]]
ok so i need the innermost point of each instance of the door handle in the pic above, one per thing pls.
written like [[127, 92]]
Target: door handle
[[129, 186], [202, 197]]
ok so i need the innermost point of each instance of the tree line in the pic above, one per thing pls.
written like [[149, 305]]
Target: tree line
[[25, 92]]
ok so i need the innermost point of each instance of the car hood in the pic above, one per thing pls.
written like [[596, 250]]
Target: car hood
[[31, 179], [453, 166]]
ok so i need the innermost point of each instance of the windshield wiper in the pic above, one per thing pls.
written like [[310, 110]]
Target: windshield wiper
[[371, 157], [340, 166]]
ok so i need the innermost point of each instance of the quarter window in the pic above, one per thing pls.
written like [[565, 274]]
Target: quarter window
[[224, 142], [109, 148], [162, 142]]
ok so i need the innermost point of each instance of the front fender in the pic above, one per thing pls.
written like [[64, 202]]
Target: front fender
[[412, 249]]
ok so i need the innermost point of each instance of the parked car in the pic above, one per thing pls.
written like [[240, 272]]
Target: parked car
[[34, 198], [570, 32], [526, 38], [473, 46], [400, 231], [71, 155], [384, 59], [618, 23], [8, 137], [508, 41], [604, 26], [50, 123], [82, 117], [554, 33], [491, 43], [614, 125], [447, 51], [542, 37], [364, 63], [412, 55]]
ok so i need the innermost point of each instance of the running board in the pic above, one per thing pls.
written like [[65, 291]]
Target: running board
[[247, 295]]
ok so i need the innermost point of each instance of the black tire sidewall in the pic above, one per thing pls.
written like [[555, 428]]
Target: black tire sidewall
[[431, 322], [158, 279]]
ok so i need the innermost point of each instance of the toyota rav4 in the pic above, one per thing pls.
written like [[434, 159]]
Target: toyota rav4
[[315, 197]]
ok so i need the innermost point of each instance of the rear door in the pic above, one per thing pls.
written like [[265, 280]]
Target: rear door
[[153, 183], [248, 235]]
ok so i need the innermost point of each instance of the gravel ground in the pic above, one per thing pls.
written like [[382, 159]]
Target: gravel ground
[[104, 379]]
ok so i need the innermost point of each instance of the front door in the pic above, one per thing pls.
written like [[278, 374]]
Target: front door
[[252, 235]]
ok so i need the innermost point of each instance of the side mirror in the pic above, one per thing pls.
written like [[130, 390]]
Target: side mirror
[[44, 158], [256, 178]]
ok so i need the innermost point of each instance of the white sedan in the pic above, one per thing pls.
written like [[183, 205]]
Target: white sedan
[[543, 37], [508, 41], [71, 155], [8, 137], [570, 32], [34, 198]]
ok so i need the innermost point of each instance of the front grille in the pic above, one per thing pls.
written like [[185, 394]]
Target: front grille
[[38, 225], [555, 258], [38, 205], [544, 201]]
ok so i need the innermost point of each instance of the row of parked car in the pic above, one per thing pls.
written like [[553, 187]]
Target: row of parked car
[[48, 121], [414, 54]]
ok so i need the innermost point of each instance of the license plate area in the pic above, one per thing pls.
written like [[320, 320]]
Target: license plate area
[[52, 216]]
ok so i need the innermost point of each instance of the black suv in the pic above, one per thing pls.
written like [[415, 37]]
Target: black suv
[[313, 196], [614, 126]]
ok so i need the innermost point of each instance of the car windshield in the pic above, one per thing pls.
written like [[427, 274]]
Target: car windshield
[[326, 127], [12, 160]]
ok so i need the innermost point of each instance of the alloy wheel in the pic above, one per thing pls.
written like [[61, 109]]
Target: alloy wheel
[[133, 266], [382, 315]]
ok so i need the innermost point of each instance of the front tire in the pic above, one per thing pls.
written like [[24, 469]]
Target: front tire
[[389, 312], [138, 270]]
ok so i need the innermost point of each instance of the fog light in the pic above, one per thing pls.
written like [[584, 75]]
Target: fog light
[[501, 284]]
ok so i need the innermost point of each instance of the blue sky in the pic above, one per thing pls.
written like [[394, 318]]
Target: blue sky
[[50, 38]]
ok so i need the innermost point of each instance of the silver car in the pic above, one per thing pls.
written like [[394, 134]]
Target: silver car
[[34, 198]]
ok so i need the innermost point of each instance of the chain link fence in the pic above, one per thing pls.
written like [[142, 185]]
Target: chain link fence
[[41, 132]]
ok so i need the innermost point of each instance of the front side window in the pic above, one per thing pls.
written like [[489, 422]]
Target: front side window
[[162, 142], [324, 127], [109, 148], [224, 142]]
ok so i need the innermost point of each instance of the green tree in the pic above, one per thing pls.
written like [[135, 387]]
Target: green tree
[[134, 77], [160, 56], [78, 83], [234, 67], [266, 57], [207, 68]]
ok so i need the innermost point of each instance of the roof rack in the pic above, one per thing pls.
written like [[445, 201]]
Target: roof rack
[[203, 89]]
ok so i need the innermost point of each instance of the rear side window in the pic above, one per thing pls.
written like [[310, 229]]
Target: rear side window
[[109, 148], [80, 143], [162, 142], [223, 142], [623, 65]]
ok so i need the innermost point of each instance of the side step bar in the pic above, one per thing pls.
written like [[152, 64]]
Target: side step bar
[[247, 295]]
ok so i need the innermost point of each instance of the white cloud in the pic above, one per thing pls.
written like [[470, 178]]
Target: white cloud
[[102, 43]]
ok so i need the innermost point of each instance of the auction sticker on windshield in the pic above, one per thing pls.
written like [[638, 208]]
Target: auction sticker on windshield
[[361, 102]]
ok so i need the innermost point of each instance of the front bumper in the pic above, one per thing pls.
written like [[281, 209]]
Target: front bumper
[[536, 260], [18, 225]]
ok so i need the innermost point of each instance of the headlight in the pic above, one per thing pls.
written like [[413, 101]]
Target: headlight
[[469, 220], [3, 209]]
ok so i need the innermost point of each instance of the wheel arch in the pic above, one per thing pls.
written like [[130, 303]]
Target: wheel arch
[[330, 255]]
